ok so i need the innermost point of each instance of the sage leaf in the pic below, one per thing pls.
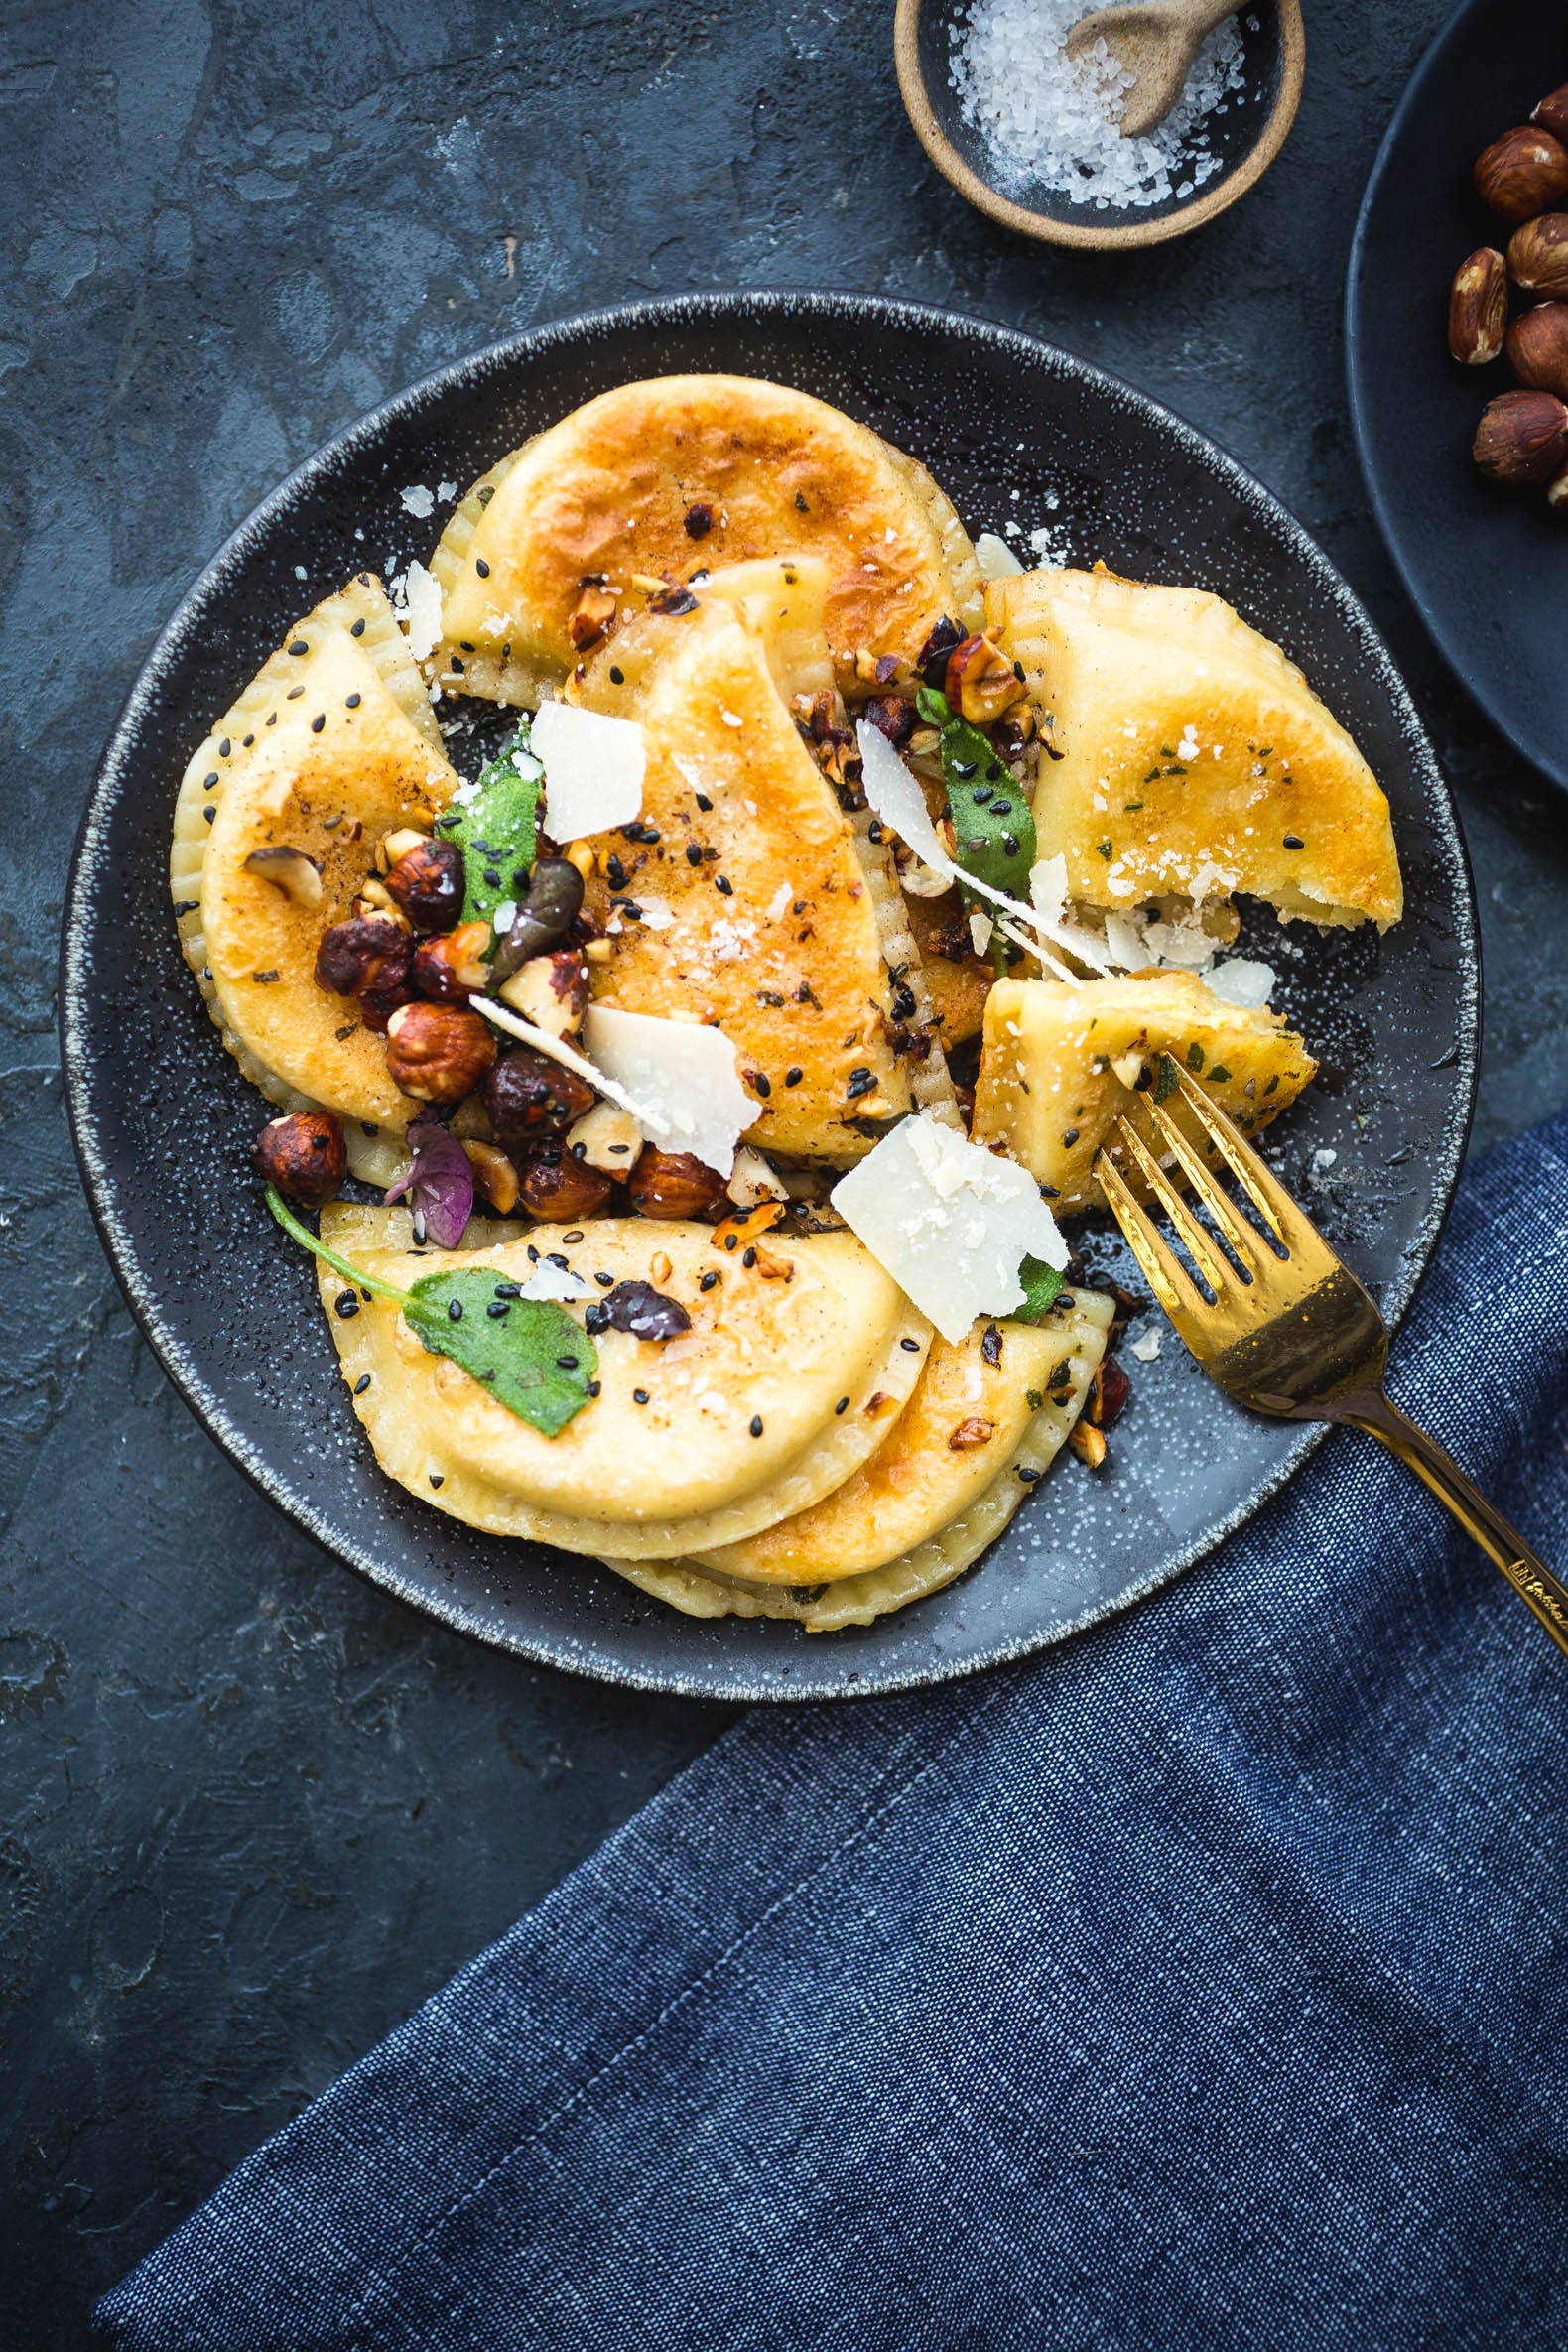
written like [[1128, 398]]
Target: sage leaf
[[1041, 1284], [533, 1359], [992, 824], [495, 824]]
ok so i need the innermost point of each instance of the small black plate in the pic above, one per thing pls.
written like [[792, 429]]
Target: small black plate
[[1486, 568], [1020, 435]]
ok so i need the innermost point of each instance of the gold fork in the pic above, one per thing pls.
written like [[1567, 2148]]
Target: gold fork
[[1297, 1336]]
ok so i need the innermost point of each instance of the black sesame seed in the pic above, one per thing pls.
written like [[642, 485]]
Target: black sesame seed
[[455, 1310], [694, 855], [1070, 1139], [843, 1406], [756, 1424], [731, 1241], [1027, 1475], [553, 1257], [748, 1258], [617, 677], [793, 1075], [724, 885], [498, 1309], [762, 1084], [706, 1282], [246, 745], [639, 1396], [210, 813], [605, 1282], [482, 566], [293, 694], [508, 1291], [1293, 841], [224, 749], [861, 1082], [358, 629], [575, 1235], [318, 723], [493, 879], [354, 701], [362, 1383], [566, 1363], [300, 645], [346, 1303], [1050, 1191], [1010, 842], [913, 1346], [593, 1388], [185, 906], [702, 802]]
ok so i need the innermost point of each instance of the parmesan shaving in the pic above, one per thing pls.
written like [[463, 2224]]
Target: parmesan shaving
[[555, 1282], [419, 608], [950, 1221], [594, 770], [994, 557], [1241, 982]]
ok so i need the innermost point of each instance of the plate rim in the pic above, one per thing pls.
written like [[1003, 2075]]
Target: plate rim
[[856, 1678], [1358, 349]]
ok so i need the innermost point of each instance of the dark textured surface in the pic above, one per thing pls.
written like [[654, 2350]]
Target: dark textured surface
[[251, 1812]]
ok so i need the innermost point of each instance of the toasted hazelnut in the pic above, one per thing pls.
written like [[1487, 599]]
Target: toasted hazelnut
[[591, 615], [1478, 307], [295, 874], [1558, 494], [531, 1101], [1523, 173], [1522, 439], [452, 968], [493, 1173], [368, 960], [1086, 1442], [400, 845], [606, 1137], [752, 1179], [1108, 1393], [979, 681], [1538, 257], [971, 1433], [429, 885], [550, 990], [561, 1191], [1551, 114], [304, 1155], [676, 1184], [438, 1053], [893, 717], [1537, 348]]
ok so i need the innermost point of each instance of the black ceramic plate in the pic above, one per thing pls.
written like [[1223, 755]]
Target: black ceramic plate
[[1486, 569], [1024, 438]]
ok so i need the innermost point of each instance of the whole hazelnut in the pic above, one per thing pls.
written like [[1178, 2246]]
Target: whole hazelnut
[[1552, 113], [429, 885], [1538, 255], [367, 959], [1558, 494], [438, 1053], [676, 1184], [1478, 307], [1537, 348], [561, 1191], [531, 1100], [1522, 438], [304, 1155], [979, 681], [450, 969], [1521, 174]]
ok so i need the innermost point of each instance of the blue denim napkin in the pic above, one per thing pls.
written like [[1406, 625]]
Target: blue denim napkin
[[1198, 1984]]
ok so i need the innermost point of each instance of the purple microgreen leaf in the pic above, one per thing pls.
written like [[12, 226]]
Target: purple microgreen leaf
[[438, 1182]]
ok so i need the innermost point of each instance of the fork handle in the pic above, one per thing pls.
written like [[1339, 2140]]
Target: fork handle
[[1530, 1576]]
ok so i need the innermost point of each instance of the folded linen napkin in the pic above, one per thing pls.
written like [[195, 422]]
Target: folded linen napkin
[[1199, 1982]]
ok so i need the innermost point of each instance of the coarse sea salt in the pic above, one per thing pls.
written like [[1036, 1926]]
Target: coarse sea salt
[[1051, 121]]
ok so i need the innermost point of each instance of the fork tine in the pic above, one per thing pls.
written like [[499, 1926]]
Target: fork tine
[[1168, 1276], [1241, 1237], [1262, 1187], [1213, 1268]]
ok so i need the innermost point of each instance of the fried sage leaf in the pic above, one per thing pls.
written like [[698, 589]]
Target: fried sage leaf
[[1040, 1286], [992, 824], [495, 824], [530, 1354]]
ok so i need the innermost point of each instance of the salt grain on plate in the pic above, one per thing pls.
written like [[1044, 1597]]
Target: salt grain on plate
[[419, 500], [1050, 121]]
